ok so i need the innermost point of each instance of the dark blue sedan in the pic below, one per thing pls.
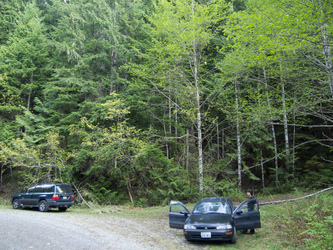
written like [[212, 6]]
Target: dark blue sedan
[[214, 219]]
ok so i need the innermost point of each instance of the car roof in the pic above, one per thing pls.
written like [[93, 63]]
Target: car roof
[[53, 183]]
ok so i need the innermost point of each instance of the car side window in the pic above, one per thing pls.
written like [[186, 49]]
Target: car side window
[[48, 189], [249, 206], [177, 208], [31, 189], [38, 189]]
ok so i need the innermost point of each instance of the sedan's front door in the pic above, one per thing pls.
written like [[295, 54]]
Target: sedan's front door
[[177, 215], [247, 215]]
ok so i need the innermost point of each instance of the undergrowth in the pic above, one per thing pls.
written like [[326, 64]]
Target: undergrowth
[[307, 223]]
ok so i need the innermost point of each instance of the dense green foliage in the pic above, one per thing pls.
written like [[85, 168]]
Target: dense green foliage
[[146, 101]]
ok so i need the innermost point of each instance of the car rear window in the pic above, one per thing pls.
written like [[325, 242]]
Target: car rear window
[[64, 189]]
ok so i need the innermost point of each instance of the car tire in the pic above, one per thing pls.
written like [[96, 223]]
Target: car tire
[[234, 237], [42, 206], [62, 209], [16, 204]]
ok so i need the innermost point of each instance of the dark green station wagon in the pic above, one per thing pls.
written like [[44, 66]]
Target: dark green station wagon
[[45, 196]]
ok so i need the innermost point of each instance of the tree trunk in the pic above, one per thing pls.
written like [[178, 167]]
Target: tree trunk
[[285, 118], [1, 175], [223, 147], [166, 135], [176, 123], [170, 117], [276, 157], [273, 134], [294, 144], [239, 154], [218, 139], [187, 148], [327, 53], [196, 83], [262, 170]]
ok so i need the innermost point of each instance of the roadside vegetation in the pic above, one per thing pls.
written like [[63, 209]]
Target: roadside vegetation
[[303, 224]]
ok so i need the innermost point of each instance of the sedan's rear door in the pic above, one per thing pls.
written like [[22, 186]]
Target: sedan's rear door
[[178, 213], [247, 215]]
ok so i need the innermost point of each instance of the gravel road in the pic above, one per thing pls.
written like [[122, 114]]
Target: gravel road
[[30, 229]]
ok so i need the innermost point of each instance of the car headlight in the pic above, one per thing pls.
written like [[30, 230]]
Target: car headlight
[[224, 226], [189, 227]]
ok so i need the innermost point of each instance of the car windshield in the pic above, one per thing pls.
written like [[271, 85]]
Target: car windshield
[[211, 207]]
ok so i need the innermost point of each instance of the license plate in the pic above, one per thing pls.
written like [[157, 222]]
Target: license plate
[[206, 235], [64, 197]]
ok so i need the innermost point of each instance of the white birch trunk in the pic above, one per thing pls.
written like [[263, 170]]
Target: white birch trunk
[[196, 83], [285, 118], [327, 53], [239, 152]]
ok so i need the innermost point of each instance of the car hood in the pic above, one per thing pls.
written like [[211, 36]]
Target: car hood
[[209, 218]]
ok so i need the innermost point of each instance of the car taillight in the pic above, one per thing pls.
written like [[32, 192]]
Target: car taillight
[[72, 197], [55, 197]]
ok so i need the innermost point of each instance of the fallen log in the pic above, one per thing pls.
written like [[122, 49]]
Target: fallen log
[[296, 199], [80, 195]]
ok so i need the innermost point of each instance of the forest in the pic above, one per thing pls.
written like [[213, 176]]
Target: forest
[[144, 101]]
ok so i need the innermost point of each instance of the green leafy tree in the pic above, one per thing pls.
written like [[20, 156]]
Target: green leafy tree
[[177, 60], [281, 49], [107, 151]]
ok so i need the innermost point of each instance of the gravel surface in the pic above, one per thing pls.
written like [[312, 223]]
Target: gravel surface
[[30, 229]]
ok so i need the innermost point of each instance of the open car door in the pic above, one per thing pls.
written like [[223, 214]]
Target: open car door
[[247, 215], [178, 214]]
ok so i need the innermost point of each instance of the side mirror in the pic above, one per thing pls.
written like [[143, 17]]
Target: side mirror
[[184, 212], [239, 212]]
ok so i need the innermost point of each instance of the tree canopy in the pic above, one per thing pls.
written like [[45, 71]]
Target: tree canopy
[[146, 101]]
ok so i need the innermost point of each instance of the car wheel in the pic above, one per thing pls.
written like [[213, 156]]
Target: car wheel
[[42, 206], [62, 209], [234, 237], [16, 204]]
